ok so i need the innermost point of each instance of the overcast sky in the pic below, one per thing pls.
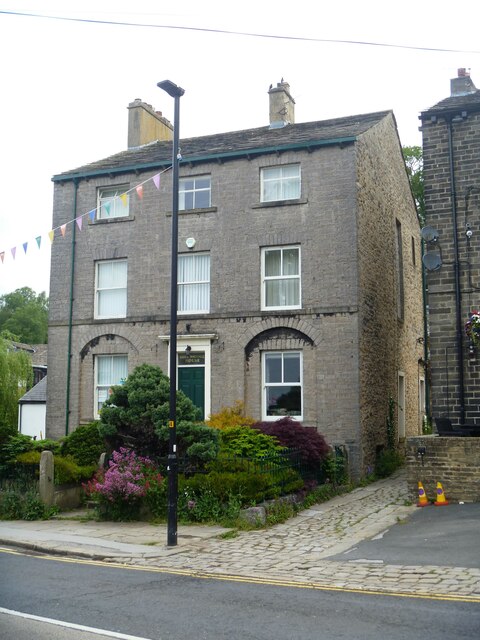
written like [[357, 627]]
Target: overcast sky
[[66, 85]]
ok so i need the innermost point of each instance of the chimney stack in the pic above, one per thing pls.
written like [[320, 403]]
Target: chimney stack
[[146, 125], [282, 105], [463, 84]]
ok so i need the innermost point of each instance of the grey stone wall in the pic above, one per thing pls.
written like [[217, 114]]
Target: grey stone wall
[[454, 462], [444, 341]]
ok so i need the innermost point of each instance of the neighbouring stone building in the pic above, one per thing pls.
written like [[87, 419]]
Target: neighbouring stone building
[[451, 152], [299, 275]]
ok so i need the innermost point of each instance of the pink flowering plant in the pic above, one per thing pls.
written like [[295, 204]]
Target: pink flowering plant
[[129, 482], [472, 327]]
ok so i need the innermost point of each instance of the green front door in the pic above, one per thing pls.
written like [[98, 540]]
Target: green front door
[[191, 380]]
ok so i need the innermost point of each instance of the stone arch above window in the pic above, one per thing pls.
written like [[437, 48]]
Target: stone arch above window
[[278, 338]]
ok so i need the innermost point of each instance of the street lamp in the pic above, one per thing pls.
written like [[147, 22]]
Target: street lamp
[[175, 92]]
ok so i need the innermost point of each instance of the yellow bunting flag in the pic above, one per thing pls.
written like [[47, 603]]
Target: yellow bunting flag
[[51, 234]]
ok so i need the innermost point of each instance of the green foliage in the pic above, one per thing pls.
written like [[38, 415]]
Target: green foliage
[[335, 469], [194, 440], [85, 444], [25, 314], [413, 157], [24, 506], [66, 470], [280, 511], [15, 377], [136, 409], [248, 442], [229, 417], [13, 446], [387, 462], [55, 446]]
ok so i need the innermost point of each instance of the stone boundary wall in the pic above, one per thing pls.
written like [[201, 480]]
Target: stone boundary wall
[[454, 462]]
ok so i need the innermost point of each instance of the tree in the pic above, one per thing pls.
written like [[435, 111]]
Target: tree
[[413, 157], [25, 314], [15, 376], [135, 411]]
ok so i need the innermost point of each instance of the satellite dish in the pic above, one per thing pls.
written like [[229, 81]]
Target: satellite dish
[[429, 234], [432, 261]]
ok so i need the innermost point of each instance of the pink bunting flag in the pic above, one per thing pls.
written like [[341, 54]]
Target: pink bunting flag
[[156, 180], [14, 251], [51, 235], [79, 222], [91, 214], [139, 191], [38, 240], [2, 256], [62, 230], [25, 246]]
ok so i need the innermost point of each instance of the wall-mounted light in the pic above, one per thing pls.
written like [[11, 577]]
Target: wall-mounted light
[[190, 242], [188, 348]]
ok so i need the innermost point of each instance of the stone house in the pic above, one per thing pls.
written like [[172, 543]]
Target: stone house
[[451, 154], [299, 274]]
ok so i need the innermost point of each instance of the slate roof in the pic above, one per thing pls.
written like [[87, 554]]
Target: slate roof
[[229, 145], [37, 352], [469, 102], [37, 394]]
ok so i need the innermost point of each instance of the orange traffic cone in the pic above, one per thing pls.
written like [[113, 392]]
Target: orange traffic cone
[[441, 500], [422, 497]]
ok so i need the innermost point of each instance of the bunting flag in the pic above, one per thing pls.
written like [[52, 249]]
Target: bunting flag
[[92, 214]]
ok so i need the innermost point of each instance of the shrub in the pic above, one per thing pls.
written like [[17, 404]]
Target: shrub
[[195, 440], [24, 506], [14, 446], [248, 442], [137, 408], [292, 434], [121, 487], [54, 446], [387, 462], [229, 417], [66, 470], [85, 444]]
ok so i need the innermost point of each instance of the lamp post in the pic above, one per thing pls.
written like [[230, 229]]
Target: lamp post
[[175, 92]]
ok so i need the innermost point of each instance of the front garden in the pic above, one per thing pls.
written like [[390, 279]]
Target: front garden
[[227, 464]]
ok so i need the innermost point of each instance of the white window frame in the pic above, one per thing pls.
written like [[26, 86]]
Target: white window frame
[[279, 277], [190, 283], [182, 191], [266, 385], [112, 196], [96, 410], [98, 291], [276, 175]]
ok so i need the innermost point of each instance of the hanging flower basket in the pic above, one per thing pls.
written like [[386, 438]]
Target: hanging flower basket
[[472, 327]]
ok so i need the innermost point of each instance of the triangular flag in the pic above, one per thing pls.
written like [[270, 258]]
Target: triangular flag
[[39, 241], [2, 256], [139, 191], [91, 214], [25, 246], [124, 199], [156, 180], [107, 206], [14, 251], [62, 230], [79, 222], [51, 234]]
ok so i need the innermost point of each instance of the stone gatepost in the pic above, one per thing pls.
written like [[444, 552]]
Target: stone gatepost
[[46, 484]]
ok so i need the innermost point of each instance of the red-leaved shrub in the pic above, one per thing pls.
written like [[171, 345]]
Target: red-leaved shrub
[[292, 434]]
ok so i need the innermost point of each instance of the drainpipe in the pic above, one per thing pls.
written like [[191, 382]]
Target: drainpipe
[[458, 297], [426, 358], [70, 312]]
